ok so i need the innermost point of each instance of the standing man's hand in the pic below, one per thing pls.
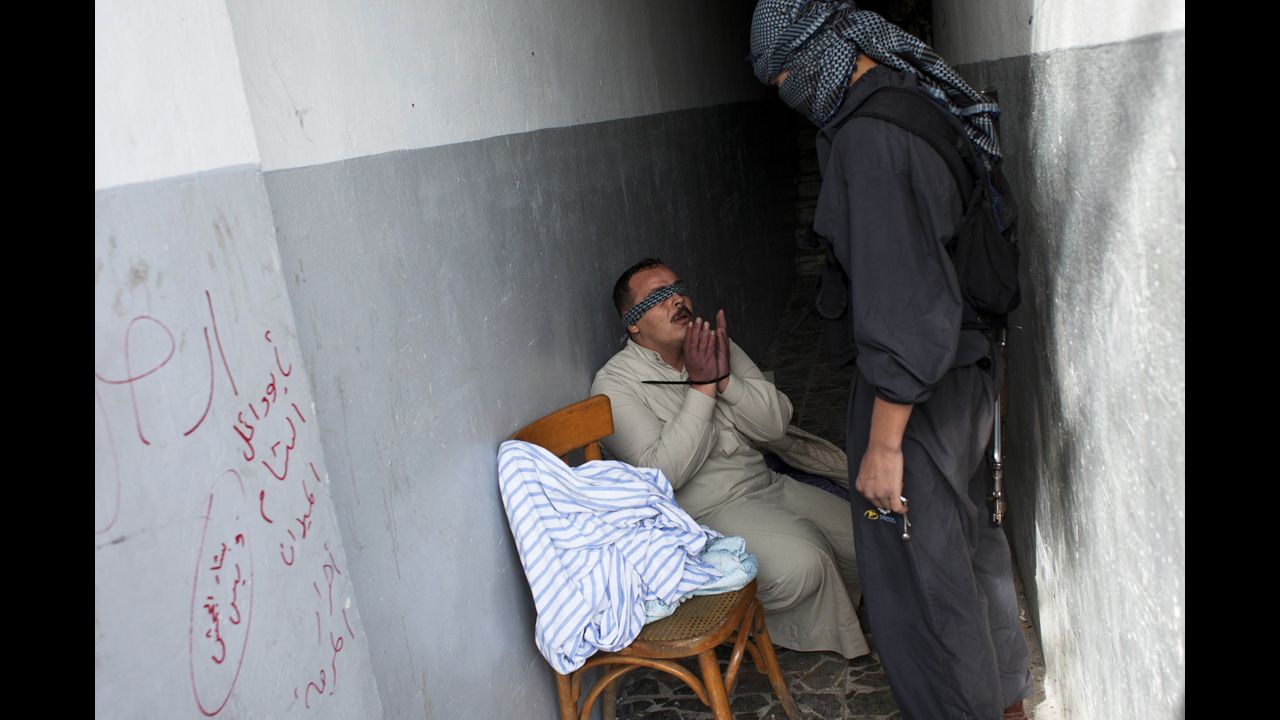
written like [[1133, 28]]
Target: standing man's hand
[[880, 472], [700, 354], [880, 478], [722, 352]]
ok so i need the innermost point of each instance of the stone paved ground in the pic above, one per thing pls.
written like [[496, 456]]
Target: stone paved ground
[[824, 685]]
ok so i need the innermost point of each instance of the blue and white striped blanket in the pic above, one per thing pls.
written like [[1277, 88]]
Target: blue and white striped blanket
[[597, 541]]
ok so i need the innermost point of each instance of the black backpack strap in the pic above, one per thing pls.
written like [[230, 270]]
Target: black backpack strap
[[916, 113], [919, 115]]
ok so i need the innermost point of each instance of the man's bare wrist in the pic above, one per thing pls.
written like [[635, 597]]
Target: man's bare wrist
[[708, 389], [884, 446]]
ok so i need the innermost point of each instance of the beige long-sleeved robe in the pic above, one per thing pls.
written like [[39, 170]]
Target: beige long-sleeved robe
[[802, 536]]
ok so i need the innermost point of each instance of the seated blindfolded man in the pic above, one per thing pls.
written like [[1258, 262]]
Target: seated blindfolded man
[[688, 401]]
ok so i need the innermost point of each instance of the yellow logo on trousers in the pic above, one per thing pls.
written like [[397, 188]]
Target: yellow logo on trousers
[[871, 515]]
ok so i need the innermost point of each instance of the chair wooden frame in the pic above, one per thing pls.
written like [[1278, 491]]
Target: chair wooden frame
[[696, 628]]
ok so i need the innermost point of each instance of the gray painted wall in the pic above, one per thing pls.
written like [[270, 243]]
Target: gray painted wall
[[447, 296], [210, 551], [1095, 141]]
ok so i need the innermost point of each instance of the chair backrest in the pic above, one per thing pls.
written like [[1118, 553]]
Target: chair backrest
[[580, 425]]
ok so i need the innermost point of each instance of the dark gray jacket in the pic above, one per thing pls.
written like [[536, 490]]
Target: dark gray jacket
[[888, 206]]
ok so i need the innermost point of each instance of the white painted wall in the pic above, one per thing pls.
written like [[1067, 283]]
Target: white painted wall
[[1106, 442], [167, 94], [1094, 100], [346, 79], [967, 32]]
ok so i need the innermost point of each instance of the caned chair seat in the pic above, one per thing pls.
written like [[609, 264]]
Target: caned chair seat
[[700, 615], [695, 629]]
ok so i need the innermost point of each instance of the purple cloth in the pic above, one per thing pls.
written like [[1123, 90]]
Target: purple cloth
[[779, 465]]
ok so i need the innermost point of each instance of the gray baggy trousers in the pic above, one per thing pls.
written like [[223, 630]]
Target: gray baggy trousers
[[942, 608]]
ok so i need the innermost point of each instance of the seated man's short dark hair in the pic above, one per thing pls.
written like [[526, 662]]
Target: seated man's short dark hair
[[622, 300]]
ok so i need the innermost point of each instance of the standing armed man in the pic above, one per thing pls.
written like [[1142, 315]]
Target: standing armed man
[[939, 590]]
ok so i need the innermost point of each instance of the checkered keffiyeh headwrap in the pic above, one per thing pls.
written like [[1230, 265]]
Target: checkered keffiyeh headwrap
[[819, 42], [651, 301]]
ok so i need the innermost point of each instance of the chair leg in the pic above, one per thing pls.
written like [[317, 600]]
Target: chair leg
[[609, 703], [568, 703], [715, 685], [771, 667]]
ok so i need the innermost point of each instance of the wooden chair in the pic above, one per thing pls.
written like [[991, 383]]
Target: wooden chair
[[695, 629]]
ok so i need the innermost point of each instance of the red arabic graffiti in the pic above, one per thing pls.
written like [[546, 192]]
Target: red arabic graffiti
[[327, 680], [213, 320], [303, 521], [208, 403], [246, 430], [130, 378], [221, 598], [256, 422], [268, 435], [286, 373], [133, 375]]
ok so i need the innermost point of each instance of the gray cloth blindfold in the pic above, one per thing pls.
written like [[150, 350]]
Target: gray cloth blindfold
[[651, 301]]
